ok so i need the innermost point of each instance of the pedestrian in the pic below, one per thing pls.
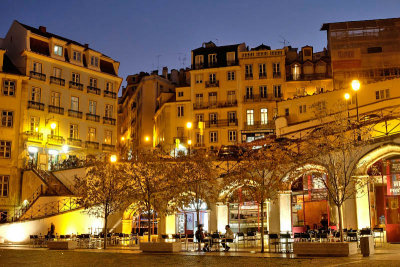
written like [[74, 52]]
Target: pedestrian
[[201, 237], [227, 238]]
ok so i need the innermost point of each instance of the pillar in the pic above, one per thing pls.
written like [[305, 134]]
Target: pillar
[[170, 224], [273, 218], [285, 211], [212, 219], [126, 226], [222, 217], [362, 205], [162, 225]]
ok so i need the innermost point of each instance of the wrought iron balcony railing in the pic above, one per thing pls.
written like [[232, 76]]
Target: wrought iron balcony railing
[[107, 120], [55, 109], [220, 123], [92, 117], [34, 136], [76, 85], [74, 142], [92, 144], [259, 125], [110, 94], [35, 105], [248, 76], [212, 83], [108, 147], [75, 113], [93, 90], [207, 105], [55, 139], [37, 75], [256, 98], [57, 80]]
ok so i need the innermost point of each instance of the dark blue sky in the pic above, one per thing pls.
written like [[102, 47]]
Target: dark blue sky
[[136, 33]]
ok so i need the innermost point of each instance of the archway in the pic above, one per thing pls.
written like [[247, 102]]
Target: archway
[[136, 221]]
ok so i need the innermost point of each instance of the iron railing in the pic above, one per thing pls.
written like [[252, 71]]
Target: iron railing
[[35, 105], [76, 85], [93, 90], [57, 80], [110, 94], [38, 75], [107, 120], [92, 117], [75, 113], [56, 110]]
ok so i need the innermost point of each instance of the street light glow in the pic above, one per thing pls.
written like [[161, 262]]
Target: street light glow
[[355, 85], [347, 96], [189, 142], [53, 125], [147, 139], [122, 138], [189, 125], [113, 158]]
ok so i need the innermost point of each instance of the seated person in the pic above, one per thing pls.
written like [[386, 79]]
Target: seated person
[[228, 238], [201, 237]]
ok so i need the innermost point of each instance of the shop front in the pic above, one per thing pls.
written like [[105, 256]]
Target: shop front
[[186, 219]]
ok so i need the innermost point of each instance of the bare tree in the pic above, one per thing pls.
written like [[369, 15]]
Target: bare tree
[[198, 182], [261, 173], [102, 191], [151, 183], [335, 146]]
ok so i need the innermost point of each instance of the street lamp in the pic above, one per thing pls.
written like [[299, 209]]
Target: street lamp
[[147, 139], [113, 158], [189, 125], [347, 97], [355, 85], [122, 138]]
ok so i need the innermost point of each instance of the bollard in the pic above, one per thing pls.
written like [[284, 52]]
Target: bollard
[[367, 245]]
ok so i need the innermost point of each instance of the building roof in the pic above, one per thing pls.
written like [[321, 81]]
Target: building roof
[[9, 67], [359, 24], [261, 47], [212, 48]]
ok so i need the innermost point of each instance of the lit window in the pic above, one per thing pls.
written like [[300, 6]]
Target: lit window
[[92, 134], [55, 99], [92, 107], [108, 137], [212, 60], [264, 116], [250, 117], [36, 94], [75, 103], [58, 50], [34, 124], [73, 131]]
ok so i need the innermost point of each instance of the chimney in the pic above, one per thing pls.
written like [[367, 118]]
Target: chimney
[[42, 29], [86, 46], [165, 72], [154, 72]]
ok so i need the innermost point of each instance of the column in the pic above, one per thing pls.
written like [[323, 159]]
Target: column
[[285, 208], [170, 224], [222, 217], [362, 205], [273, 218], [126, 226], [212, 219]]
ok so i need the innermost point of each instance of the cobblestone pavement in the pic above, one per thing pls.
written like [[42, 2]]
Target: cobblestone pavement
[[44, 257]]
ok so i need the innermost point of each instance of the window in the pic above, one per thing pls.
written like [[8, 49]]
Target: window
[[109, 87], [92, 134], [302, 109], [212, 59], [4, 183], [108, 111], [57, 72], [277, 91], [263, 91], [93, 82], [248, 71], [230, 58], [286, 112], [199, 78], [180, 94], [94, 61], [5, 149], [37, 67], [296, 72], [108, 137], [232, 136], [8, 88], [36, 94], [250, 117], [231, 75], [92, 107], [212, 98], [213, 118], [232, 117], [76, 77], [262, 73], [7, 118], [75, 103], [212, 78], [34, 125], [181, 111], [199, 99], [213, 137], [199, 139], [58, 50], [382, 94], [276, 70], [73, 131], [377, 49], [199, 117], [249, 92], [55, 99], [76, 56], [199, 60], [231, 97], [264, 116]]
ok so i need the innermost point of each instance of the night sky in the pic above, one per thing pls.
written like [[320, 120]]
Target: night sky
[[144, 35]]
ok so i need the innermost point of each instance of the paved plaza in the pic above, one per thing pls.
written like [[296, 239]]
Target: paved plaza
[[23, 256]]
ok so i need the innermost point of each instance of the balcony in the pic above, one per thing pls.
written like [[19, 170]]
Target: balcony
[[262, 75], [74, 142], [248, 76], [75, 85], [56, 110], [220, 123], [199, 145], [210, 105], [92, 117], [256, 98], [35, 105], [182, 139], [212, 84], [276, 75], [75, 113], [34, 136], [107, 147], [107, 120], [259, 125], [110, 94], [92, 144], [93, 90], [55, 139], [37, 75], [308, 77], [57, 80]]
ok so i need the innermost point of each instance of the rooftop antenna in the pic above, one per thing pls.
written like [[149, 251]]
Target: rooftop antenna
[[284, 41], [182, 60], [158, 62]]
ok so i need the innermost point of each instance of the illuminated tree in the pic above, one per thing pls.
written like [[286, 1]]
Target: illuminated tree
[[260, 174], [103, 191]]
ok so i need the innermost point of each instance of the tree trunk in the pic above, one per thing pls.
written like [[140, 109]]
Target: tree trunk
[[198, 222], [105, 227], [149, 218], [340, 212], [262, 225]]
